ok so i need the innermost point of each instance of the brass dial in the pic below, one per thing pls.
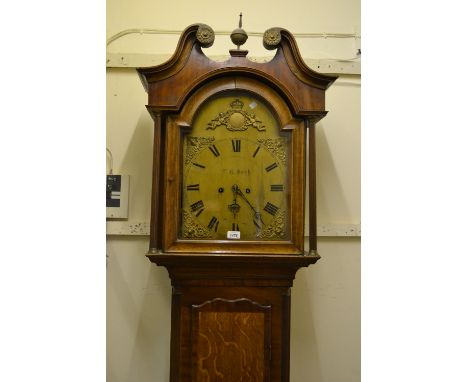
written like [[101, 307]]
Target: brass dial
[[235, 182]]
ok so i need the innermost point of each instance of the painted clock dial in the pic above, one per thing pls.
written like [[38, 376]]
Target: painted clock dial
[[235, 172]]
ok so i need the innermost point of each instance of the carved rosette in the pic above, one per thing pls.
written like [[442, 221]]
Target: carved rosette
[[193, 230], [236, 119], [275, 229], [276, 147], [205, 35], [272, 38], [194, 145]]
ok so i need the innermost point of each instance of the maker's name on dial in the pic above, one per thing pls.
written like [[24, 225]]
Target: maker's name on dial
[[235, 171]]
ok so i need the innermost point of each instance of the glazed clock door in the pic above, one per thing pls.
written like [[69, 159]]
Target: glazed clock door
[[236, 181]]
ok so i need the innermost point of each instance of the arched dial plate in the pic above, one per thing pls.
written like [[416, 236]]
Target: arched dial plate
[[235, 173]]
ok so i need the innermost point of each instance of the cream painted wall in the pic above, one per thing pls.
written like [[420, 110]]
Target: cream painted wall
[[298, 16], [325, 333]]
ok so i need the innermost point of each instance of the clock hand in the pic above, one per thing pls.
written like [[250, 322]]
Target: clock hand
[[257, 214]]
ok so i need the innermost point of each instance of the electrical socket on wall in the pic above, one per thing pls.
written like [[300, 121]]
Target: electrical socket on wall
[[117, 187]]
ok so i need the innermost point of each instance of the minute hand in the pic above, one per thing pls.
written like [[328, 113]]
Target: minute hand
[[257, 214]]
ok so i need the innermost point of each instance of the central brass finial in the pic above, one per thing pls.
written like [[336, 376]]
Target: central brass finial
[[238, 35]]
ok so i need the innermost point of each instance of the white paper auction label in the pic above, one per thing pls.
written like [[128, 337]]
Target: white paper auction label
[[233, 235]]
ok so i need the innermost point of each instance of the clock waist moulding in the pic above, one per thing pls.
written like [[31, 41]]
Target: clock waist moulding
[[228, 197]]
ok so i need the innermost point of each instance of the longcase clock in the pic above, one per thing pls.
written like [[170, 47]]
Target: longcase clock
[[228, 199]]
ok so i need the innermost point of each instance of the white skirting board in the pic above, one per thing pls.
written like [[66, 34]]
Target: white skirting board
[[124, 228]]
